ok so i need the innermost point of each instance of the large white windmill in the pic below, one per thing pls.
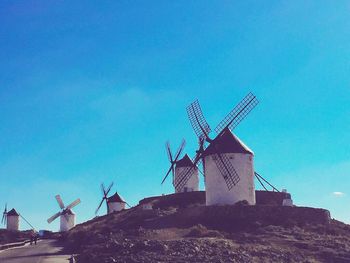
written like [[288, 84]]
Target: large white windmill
[[227, 162], [67, 217], [182, 166]]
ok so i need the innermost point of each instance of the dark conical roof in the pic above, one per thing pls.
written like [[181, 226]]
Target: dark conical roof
[[184, 162], [115, 198], [12, 212], [227, 142]]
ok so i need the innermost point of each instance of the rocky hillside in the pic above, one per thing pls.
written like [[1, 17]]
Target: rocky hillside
[[195, 233], [7, 236]]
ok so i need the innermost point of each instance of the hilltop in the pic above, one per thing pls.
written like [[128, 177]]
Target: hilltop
[[180, 231]]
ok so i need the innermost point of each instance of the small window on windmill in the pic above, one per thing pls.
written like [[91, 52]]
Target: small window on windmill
[[214, 157], [231, 157]]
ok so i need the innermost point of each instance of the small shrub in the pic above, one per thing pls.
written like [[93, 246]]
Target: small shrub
[[197, 231], [201, 231]]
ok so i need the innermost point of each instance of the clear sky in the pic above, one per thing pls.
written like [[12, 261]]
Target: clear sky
[[91, 90]]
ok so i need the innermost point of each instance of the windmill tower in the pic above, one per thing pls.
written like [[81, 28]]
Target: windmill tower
[[227, 161], [12, 220], [105, 192], [67, 220], [182, 166], [67, 216]]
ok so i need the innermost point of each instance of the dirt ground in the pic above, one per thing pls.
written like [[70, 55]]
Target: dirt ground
[[186, 235]]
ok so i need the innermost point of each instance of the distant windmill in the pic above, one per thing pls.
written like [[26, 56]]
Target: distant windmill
[[186, 166], [188, 176], [10, 219], [67, 217], [116, 203], [178, 167], [105, 192], [227, 162], [4, 216]]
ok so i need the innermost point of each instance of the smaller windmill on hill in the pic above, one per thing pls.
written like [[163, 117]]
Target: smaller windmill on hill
[[105, 192], [67, 216], [179, 167], [113, 203], [116, 203], [11, 219]]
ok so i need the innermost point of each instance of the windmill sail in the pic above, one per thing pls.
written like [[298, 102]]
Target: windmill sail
[[75, 203], [105, 193], [4, 216], [52, 218], [226, 169], [238, 113], [173, 161], [59, 201], [198, 122]]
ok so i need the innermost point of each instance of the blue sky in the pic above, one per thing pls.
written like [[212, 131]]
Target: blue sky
[[90, 91]]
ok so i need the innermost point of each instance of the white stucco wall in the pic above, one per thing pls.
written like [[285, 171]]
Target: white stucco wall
[[12, 223], [115, 206], [192, 184], [217, 192], [65, 224]]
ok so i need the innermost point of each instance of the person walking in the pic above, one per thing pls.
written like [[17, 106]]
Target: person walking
[[35, 238], [31, 238]]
